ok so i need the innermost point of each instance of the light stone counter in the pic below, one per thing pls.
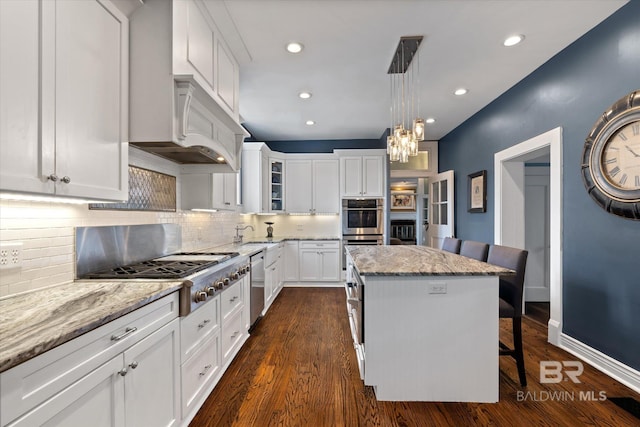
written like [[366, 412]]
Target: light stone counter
[[253, 245], [401, 260], [34, 322]]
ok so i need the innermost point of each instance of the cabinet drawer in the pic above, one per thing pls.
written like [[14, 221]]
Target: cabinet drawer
[[319, 244], [232, 333], [197, 325], [36, 380], [231, 299], [199, 370]]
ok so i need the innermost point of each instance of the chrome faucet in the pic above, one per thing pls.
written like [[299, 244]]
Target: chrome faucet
[[238, 237]]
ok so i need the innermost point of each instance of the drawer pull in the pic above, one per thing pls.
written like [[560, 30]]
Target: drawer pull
[[204, 371], [235, 334], [203, 324], [233, 299], [125, 334]]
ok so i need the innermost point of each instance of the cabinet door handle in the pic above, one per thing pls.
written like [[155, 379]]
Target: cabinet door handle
[[125, 334], [53, 177], [66, 179], [204, 371], [122, 372], [133, 365]]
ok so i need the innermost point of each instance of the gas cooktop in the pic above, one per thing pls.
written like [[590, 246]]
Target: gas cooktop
[[175, 266]]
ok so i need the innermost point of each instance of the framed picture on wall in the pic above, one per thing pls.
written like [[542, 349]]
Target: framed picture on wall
[[403, 202], [477, 191]]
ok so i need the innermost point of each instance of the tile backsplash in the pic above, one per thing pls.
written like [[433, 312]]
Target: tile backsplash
[[47, 234]]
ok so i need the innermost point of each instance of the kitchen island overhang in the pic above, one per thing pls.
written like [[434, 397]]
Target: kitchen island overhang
[[430, 322]]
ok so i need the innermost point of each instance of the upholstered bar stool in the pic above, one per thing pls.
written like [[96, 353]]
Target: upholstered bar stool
[[451, 244], [510, 304], [475, 250]]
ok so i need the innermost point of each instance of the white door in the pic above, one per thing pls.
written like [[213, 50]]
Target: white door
[[152, 386], [96, 400], [373, 176], [441, 208], [351, 176], [326, 186], [91, 89], [298, 186], [536, 207]]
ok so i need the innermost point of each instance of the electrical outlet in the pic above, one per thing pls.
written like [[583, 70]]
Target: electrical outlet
[[10, 255], [437, 287]]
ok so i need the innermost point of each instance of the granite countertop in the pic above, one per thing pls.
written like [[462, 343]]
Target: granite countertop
[[254, 245], [400, 260], [34, 322]]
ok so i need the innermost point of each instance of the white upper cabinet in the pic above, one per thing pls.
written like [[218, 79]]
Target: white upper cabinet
[[64, 103], [312, 185], [209, 191], [362, 176], [184, 85]]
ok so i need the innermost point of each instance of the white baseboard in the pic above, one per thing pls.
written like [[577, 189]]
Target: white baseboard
[[613, 368], [553, 332], [312, 284]]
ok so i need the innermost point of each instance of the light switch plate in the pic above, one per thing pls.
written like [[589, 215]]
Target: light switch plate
[[437, 287]]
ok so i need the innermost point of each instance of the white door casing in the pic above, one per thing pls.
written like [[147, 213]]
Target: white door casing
[[441, 208], [510, 211]]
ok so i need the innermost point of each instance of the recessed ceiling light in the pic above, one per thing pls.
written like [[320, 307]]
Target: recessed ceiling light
[[430, 120], [310, 123], [294, 47], [513, 40], [305, 95], [460, 91], [220, 159]]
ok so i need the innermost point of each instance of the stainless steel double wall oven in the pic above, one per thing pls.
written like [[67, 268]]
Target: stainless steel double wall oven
[[362, 222]]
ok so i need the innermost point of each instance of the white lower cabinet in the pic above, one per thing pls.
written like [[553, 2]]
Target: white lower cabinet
[[199, 371], [273, 274], [200, 355], [132, 380], [291, 270], [151, 379], [319, 261], [97, 400]]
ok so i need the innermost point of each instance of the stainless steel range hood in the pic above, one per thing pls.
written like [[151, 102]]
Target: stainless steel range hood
[[200, 131]]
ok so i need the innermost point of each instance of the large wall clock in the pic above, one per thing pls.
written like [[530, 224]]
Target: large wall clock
[[611, 158]]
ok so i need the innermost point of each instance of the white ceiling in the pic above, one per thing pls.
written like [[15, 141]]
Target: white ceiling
[[349, 45]]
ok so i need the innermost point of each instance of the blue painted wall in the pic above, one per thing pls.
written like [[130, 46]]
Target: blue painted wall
[[601, 252]]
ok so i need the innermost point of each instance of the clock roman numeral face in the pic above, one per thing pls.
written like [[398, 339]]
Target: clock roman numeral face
[[621, 158]]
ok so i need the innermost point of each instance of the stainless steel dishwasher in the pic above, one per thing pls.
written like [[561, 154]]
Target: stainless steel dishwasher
[[257, 287]]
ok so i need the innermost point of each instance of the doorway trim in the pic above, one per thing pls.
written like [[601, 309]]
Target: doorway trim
[[509, 216]]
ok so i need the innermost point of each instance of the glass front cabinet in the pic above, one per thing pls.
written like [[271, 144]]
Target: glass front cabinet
[[276, 193]]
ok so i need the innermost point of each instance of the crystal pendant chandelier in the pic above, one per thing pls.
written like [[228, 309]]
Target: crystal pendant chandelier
[[404, 133]]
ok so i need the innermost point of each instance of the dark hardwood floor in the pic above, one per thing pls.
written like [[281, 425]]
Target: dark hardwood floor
[[299, 369], [538, 311]]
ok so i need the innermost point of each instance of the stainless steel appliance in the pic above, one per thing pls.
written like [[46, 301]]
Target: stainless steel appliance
[[362, 223], [257, 287], [362, 216], [137, 252]]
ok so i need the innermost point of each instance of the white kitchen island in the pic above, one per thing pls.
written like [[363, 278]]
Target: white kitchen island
[[430, 324]]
